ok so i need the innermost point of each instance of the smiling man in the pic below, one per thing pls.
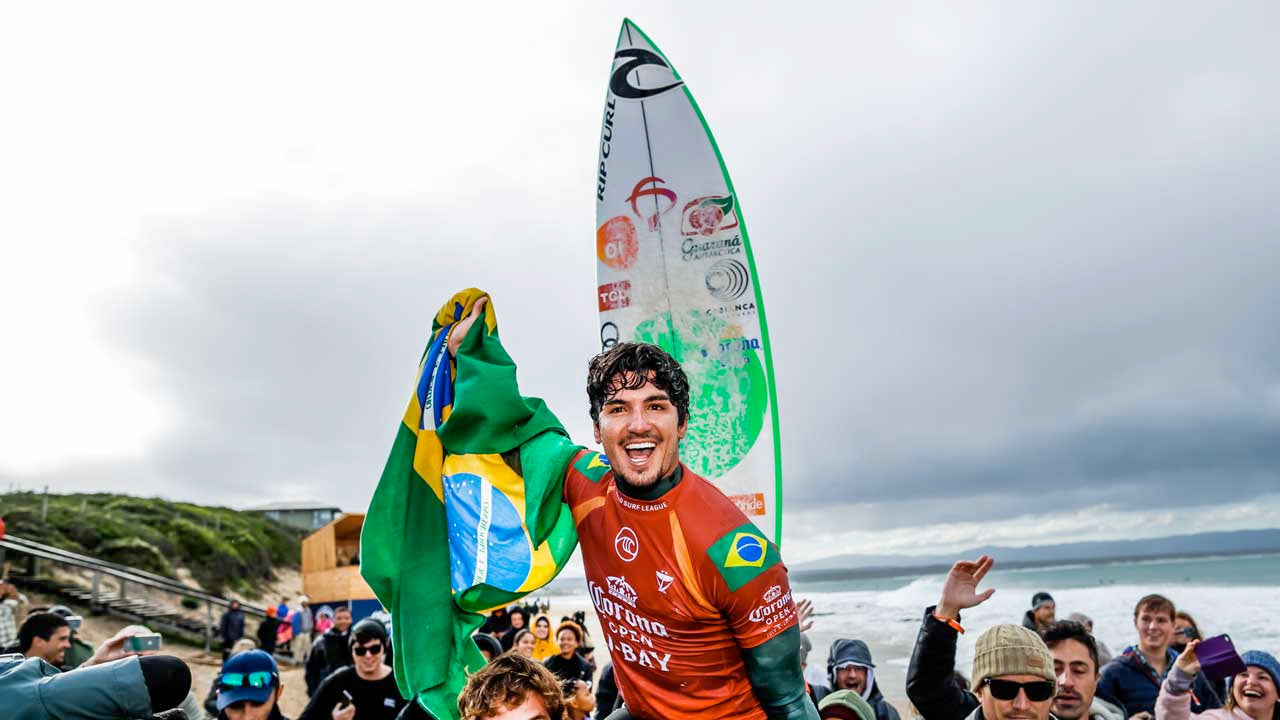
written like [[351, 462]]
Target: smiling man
[[693, 599], [1134, 678], [365, 689]]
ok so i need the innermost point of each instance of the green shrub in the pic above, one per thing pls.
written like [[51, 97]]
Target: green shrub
[[135, 552], [223, 548]]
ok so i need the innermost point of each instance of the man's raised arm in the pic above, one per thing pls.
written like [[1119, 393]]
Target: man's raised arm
[[931, 683]]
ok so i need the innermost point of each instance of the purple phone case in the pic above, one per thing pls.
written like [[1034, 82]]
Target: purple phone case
[[1218, 657]]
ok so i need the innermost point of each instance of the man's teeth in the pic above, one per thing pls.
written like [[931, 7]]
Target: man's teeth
[[641, 446]]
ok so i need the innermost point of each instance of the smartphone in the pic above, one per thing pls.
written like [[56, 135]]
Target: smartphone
[[142, 643], [1218, 657], [75, 621], [346, 699]]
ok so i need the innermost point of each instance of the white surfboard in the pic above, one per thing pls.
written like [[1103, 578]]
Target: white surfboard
[[674, 267]]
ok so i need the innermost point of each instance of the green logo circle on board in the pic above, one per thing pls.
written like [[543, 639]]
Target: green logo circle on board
[[727, 392]]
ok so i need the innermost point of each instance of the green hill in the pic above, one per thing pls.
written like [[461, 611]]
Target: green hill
[[223, 548]]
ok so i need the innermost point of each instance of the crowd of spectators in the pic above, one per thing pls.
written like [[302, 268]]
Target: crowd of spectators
[[1039, 668]]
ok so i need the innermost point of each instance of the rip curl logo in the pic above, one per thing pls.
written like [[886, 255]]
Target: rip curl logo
[[621, 85], [621, 589], [626, 544]]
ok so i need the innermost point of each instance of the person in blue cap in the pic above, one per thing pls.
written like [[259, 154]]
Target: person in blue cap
[[249, 687]]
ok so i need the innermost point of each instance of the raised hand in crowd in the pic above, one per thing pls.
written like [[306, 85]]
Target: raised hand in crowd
[[960, 590], [1187, 661], [804, 611], [113, 648]]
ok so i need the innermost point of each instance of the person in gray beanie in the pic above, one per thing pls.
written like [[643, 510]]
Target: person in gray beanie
[[1042, 613], [849, 667], [1013, 675]]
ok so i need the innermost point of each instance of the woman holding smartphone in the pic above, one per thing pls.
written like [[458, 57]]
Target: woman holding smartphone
[[1253, 692]]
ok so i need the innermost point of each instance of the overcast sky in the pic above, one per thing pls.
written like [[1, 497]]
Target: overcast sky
[[1018, 258]]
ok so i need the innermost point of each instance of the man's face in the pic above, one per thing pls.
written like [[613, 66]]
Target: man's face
[[1077, 679], [342, 620], [1045, 613], [1155, 629], [517, 620], [640, 431], [53, 650], [246, 710], [851, 677], [531, 709], [1020, 707], [367, 664]]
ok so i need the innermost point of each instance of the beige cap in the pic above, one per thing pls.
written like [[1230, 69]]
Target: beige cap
[[1011, 650]]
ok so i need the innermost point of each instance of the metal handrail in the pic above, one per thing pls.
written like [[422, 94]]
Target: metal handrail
[[120, 572]]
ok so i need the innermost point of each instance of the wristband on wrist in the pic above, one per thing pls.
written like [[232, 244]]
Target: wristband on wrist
[[955, 625]]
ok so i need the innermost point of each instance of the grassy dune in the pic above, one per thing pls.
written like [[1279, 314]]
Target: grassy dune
[[224, 549]]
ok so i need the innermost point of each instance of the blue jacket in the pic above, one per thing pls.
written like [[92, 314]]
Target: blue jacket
[[35, 690], [1131, 682]]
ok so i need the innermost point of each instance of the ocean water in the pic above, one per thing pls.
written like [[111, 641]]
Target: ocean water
[[1235, 595]]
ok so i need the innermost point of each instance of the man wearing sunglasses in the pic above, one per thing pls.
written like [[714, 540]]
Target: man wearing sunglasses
[[249, 687], [937, 695], [1013, 675], [364, 690]]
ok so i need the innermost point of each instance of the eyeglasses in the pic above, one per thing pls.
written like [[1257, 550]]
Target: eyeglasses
[[254, 679], [360, 650], [1037, 691]]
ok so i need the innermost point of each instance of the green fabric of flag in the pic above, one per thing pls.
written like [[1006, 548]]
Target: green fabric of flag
[[461, 422]]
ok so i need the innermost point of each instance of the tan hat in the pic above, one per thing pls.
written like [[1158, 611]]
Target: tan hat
[[1011, 650]]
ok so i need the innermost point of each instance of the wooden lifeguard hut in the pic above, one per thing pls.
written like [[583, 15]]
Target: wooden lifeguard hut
[[331, 568]]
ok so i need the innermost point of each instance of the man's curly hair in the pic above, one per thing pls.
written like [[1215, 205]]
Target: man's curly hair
[[505, 683], [627, 366]]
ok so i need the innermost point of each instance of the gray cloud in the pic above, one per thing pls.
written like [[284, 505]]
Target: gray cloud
[[1024, 254]]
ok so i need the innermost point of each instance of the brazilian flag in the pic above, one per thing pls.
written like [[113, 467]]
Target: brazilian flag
[[468, 514]]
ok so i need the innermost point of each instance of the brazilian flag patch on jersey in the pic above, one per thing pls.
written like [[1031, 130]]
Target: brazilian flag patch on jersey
[[593, 466], [742, 554]]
